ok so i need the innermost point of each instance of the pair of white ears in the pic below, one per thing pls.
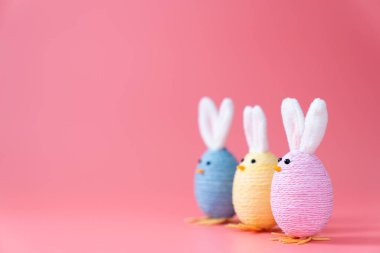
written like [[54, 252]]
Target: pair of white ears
[[214, 125], [255, 128], [304, 134]]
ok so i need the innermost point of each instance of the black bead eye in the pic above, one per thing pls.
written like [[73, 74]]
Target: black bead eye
[[286, 161], [253, 161], [242, 160], [279, 159], [208, 163]]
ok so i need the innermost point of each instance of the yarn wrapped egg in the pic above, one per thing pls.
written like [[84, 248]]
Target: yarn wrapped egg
[[213, 187], [302, 194], [216, 167], [253, 177]]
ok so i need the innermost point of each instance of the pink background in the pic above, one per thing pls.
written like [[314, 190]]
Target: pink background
[[98, 116]]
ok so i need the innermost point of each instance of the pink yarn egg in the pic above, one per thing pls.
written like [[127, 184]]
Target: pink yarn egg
[[301, 195]]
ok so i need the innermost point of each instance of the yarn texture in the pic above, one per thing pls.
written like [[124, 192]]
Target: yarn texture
[[302, 195], [213, 186], [252, 190]]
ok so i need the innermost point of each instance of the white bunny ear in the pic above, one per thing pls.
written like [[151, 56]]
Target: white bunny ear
[[214, 126], [315, 126], [255, 127], [294, 122], [206, 119]]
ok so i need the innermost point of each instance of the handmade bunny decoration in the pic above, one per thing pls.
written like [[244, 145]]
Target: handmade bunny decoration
[[302, 194], [253, 177], [216, 168]]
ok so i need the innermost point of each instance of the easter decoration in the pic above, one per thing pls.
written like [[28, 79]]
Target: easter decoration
[[302, 194], [253, 177], [216, 168]]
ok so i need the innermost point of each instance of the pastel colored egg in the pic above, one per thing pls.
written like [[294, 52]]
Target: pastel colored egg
[[252, 189], [213, 187], [302, 195]]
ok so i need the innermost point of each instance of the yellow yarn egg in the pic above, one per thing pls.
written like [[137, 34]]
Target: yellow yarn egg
[[251, 189]]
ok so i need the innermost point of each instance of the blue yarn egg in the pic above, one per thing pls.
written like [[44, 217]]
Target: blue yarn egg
[[213, 187]]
